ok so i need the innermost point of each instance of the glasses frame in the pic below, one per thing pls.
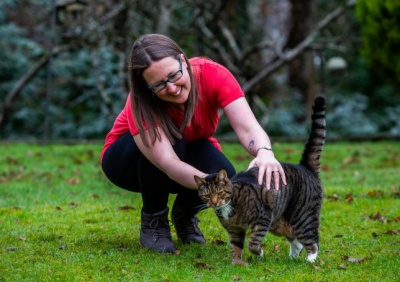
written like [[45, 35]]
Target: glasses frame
[[169, 79]]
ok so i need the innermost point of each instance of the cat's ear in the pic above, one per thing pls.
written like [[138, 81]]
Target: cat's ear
[[222, 176], [199, 181]]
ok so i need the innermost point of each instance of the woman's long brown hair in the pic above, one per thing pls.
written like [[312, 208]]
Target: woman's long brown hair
[[148, 110]]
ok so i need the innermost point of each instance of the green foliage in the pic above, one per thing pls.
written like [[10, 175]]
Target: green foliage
[[60, 219], [90, 74], [379, 21]]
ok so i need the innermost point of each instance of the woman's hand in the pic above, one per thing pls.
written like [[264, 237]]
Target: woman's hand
[[268, 168], [253, 138]]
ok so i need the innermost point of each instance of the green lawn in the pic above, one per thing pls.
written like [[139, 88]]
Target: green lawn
[[60, 219]]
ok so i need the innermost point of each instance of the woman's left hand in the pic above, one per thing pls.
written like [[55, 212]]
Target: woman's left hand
[[268, 168]]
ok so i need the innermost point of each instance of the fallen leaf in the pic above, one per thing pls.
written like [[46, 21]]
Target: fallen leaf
[[396, 192], [334, 197], [316, 267], [355, 260], [73, 181], [203, 265], [392, 232], [269, 270], [237, 278], [3, 180], [397, 219], [289, 150], [12, 161], [326, 168], [276, 247], [122, 248], [378, 217], [11, 249], [375, 193], [218, 242], [95, 196], [349, 198], [21, 238], [338, 236], [353, 159]]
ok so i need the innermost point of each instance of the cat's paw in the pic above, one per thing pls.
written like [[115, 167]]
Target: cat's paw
[[239, 262], [312, 257], [295, 248], [258, 251]]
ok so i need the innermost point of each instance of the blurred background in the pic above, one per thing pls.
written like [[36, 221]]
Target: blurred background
[[63, 69]]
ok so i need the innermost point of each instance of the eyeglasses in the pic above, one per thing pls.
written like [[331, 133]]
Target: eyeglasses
[[172, 78]]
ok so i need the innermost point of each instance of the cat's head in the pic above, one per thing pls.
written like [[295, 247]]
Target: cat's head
[[215, 189]]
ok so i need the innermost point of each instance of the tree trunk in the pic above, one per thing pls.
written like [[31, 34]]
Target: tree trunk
[[301, 69]]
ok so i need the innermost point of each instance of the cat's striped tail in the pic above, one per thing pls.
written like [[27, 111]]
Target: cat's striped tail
[[313, 147]]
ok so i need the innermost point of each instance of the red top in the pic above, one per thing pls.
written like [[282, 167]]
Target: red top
[[217, 88]]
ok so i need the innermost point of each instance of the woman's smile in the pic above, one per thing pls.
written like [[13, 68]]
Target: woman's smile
[[177, 93]]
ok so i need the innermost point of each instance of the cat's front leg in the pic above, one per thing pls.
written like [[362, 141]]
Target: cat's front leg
[[237, 243], [256, 237]]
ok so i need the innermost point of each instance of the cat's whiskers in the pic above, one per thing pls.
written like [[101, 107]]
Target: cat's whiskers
[[201, 207], [225, 210]]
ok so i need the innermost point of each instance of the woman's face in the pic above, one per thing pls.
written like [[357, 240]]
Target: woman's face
[[166, 73]]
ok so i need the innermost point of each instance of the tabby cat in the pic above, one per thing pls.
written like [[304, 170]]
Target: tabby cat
[[292, 211]]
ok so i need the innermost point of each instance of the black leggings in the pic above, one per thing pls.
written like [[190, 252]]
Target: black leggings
[[126, 167]]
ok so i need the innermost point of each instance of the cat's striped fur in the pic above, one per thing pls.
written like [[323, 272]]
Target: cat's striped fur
[[292, 211]]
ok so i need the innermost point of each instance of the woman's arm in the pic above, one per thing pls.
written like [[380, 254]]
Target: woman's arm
[[163, 156], [255, 140]]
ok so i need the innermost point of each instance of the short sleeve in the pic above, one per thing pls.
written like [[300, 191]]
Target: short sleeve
[[225, 87]]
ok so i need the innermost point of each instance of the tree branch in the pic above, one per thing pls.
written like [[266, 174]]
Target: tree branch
[[230, 38], [8, 104], [217, 45], [292, 54]]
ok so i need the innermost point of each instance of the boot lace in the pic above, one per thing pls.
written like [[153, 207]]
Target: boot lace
[[160, 228]]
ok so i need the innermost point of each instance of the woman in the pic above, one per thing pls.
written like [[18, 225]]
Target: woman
[[163, 137]]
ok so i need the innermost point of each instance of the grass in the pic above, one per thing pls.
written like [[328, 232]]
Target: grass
[[60, 219]]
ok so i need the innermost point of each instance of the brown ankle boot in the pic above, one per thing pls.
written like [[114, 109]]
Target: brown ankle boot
[[186, 225], [155, 232]]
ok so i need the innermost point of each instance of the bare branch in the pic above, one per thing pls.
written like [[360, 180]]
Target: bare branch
[[256, 48], [9, 101], [217, 45], [230, 38], [292, 54]]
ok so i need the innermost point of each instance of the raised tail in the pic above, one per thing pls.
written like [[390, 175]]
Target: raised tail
[[316, 140]]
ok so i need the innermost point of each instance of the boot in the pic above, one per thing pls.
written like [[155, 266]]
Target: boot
[[186, 225], [155, 232]]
